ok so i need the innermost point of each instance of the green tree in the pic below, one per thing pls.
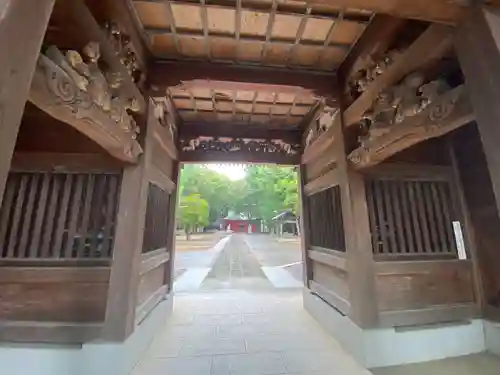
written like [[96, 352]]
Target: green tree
[[193, 213]]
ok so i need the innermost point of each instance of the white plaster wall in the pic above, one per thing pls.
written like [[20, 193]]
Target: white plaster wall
[[92, 358], [39, 360], [492, 335], [389, 346]]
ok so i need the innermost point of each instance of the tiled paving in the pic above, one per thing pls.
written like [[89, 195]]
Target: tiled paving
[[244, 333]]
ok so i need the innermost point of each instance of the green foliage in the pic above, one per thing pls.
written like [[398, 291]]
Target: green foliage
[[193, 212], [266, 190]]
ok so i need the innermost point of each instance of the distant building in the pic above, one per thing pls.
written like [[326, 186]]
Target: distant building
[[240, 223], [285, 222]]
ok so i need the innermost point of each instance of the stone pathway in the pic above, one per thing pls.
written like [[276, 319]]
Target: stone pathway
[[243, 333], [243, 262]]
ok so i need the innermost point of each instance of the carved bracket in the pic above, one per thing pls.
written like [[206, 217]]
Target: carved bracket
[[57, 90], [443, 114]]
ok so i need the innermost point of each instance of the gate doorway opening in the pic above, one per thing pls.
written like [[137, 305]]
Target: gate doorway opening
[[229, 236]]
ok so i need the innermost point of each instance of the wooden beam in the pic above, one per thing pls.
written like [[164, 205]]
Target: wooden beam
[[164, 74], [84, 22], [426, 50], [371, 45], [477, 43], [449, 112], [440, 11], [76, 108], [62, 162], [27, 20], [225, 129], [238, 157], [323, 182]]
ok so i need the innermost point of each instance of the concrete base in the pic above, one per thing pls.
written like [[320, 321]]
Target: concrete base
[[492, 337], [90, 358], [395, 346]]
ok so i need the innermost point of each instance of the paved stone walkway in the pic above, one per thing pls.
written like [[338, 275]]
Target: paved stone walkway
[[243, 333]]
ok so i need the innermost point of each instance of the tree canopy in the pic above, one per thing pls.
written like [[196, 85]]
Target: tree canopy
[[193, 212], [265, 191]]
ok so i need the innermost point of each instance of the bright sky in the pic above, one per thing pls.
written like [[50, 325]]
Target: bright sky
[[233, 171]]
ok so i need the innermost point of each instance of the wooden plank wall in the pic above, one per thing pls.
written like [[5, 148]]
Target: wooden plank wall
[[56, 234], [325, 242], [157, 251], [413, 200]]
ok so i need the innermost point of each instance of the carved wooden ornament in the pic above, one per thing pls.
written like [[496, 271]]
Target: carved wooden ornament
[[448, 112], [57, 94]]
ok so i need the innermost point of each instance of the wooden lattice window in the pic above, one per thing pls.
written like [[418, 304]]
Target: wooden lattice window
[[326, 223], [411, 217], [58, 215], [157, 212]]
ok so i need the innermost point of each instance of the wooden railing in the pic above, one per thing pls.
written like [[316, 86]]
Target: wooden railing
[[58, 215]]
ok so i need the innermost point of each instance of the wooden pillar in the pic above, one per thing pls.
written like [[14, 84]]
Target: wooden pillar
[[477, 42], [305, 223], [130, 222], [172, 225], [22, 28], [360, 266]]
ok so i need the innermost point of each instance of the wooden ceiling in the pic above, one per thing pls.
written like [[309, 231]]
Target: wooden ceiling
[[258, 32], [273, 109]]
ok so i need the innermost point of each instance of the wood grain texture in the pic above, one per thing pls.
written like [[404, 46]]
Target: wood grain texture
[[449, 112], [127, 248], [56, 94], [426, 50], [64, 162], [83, 20], [53, 294], [429, 10], [375, 40], [323, 182], [363, 298], [477, 45], [418, 285], [28, 22]]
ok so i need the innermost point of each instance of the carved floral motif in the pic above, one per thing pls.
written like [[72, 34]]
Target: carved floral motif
[[225, 144], [444, 113]]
